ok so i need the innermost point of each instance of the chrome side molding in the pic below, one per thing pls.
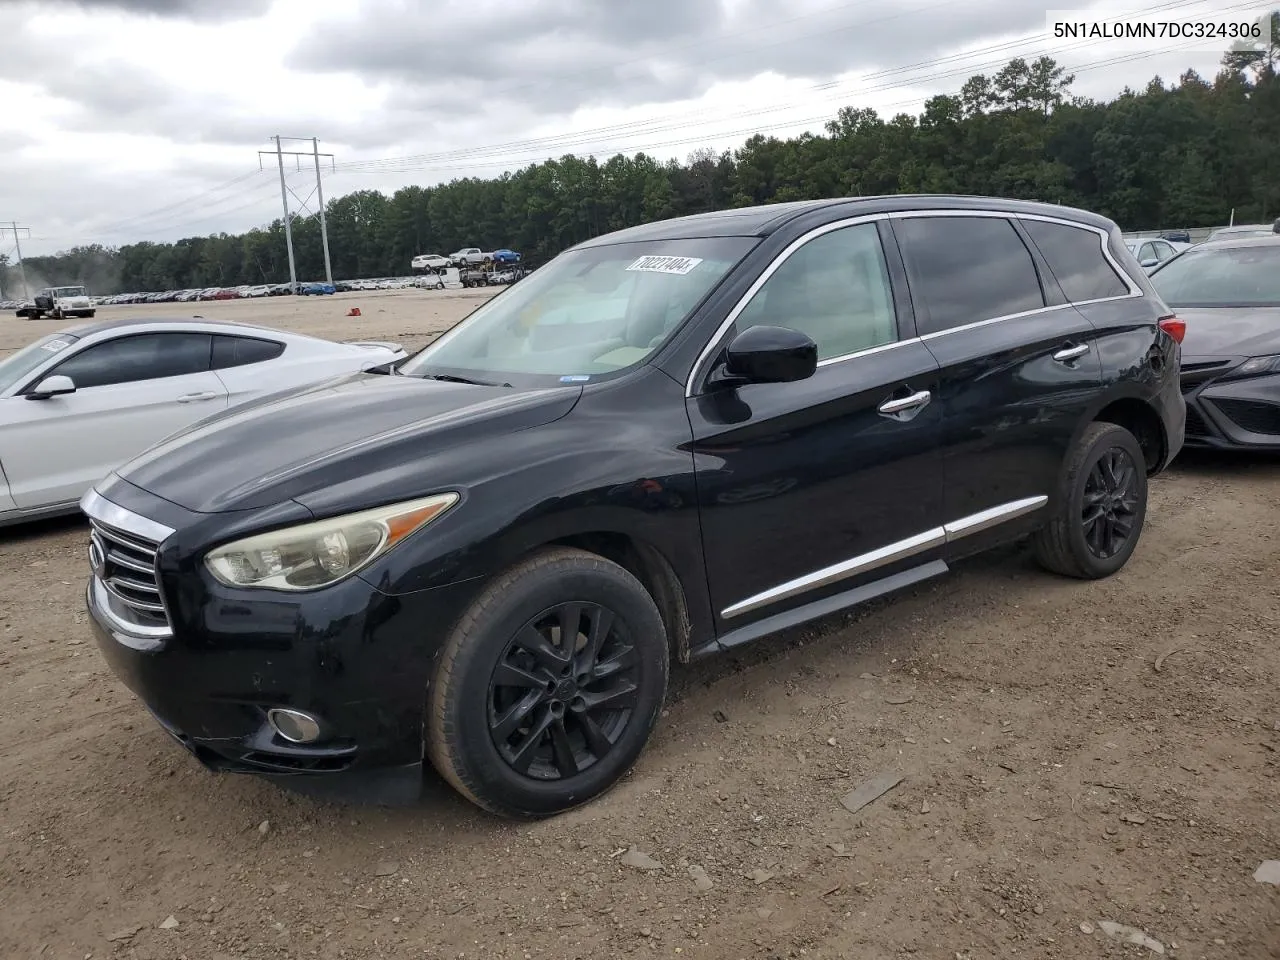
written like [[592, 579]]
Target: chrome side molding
[[891, 553]]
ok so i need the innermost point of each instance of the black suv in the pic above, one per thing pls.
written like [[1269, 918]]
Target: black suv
[[666, 442]]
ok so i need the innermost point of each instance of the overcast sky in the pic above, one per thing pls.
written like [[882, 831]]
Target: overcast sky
[[128, 120]]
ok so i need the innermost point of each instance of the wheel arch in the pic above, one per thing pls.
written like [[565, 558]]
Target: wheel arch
[[1133, 411], [1140, 418], [647, 563]]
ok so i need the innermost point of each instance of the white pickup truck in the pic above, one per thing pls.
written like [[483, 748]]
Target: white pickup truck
[[59, 303], [470, 257]]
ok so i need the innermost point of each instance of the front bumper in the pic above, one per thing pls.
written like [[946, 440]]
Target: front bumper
[[354, 657], [1233, 414]]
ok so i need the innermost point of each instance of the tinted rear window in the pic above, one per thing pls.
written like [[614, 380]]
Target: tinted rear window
[[237, 351], [966, 269], [1075, 256]]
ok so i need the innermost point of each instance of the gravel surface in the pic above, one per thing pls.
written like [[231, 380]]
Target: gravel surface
[[1076, 759]]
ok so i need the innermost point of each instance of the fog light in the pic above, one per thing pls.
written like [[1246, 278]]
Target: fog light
[[294, 725]]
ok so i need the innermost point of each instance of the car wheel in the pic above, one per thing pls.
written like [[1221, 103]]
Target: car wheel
[[1100, 507], [549, 686]]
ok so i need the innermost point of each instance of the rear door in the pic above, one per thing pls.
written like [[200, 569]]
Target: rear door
[[811, 488], [131, 392], [1019, 366]]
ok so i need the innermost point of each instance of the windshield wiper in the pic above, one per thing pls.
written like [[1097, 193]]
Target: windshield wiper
[[450, 378]]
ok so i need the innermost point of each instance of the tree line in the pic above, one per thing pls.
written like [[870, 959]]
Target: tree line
[[1184, 154]]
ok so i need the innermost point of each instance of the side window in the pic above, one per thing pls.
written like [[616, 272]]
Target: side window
[[1146, 253], [966, 269], [147, 356], [1075, 256], [1163, 251], [835, 289], [237, 351]]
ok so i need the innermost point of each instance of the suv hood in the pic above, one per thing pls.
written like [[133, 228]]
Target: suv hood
[[1230, 331], [288, 444]]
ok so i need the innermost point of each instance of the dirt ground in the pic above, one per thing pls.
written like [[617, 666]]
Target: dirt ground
[[1072, 754]]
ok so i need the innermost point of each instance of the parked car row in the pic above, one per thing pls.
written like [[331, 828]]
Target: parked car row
[[466, 257], [248, 291]]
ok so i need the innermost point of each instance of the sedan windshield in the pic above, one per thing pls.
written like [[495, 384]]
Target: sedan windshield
[[1225, 277], [17, 365], [588, 313]]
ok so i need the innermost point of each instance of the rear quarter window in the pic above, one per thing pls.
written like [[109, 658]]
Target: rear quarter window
[[1075, 256], [237, 351]]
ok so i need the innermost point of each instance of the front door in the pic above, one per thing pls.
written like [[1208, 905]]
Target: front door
[[131, 392], [808, 489]]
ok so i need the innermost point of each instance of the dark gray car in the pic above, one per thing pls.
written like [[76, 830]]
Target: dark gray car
[[1228, 293]]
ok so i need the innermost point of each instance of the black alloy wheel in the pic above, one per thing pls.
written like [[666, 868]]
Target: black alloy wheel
[[563, 691], [548, 687], [1096, 515], [1110, 503]]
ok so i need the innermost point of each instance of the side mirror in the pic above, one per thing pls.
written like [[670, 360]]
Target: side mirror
[[1149, 263], [55, 386], [770, 355]]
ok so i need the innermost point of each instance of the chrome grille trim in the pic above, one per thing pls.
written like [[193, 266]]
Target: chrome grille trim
[[125, 583]]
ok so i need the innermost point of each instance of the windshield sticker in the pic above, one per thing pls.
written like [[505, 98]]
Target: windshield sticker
[[576, 378], [53, 346], [674, 265]]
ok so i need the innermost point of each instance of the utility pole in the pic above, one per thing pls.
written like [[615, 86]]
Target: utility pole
[[288, 228], [324, 227], [314, 153], [22, 271]]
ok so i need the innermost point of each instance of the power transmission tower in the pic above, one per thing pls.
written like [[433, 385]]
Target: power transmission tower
[[285, 190], [22, 271]]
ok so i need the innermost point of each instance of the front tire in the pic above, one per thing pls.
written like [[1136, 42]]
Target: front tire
[[527, 723], [1100, 506]]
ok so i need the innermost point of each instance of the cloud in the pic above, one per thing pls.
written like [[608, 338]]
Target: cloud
[[163, 100], [555, 56], [114, 90], [197, 10]]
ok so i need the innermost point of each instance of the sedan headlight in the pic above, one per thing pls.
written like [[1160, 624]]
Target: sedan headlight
[[315, 555], [1255, 367]]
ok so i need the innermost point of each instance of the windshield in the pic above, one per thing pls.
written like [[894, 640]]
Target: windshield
[[17, 365], [1228, 277], [588, 313], [69, 292]]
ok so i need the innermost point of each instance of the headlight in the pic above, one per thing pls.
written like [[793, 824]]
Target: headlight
[[1255, 367], [317, 554]]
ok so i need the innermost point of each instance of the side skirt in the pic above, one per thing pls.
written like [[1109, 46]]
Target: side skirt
[[817, 609]]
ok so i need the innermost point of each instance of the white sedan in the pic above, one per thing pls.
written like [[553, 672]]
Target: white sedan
[[75, 405]]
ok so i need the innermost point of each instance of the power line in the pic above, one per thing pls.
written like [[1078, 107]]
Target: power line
[[695, 117], [128, 224], [501, 154], [157, 220], [615, 146]]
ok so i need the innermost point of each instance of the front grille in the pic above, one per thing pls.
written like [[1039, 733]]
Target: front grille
[[1252, 415], [1196, 427], [125, 564], [1193, 373]]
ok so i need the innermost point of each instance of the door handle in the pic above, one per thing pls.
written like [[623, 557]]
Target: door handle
[[1067, 354], [892, 408], [196, 397]]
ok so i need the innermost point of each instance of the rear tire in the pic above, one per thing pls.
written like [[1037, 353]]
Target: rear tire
[[1099, 508], [522, 728]]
